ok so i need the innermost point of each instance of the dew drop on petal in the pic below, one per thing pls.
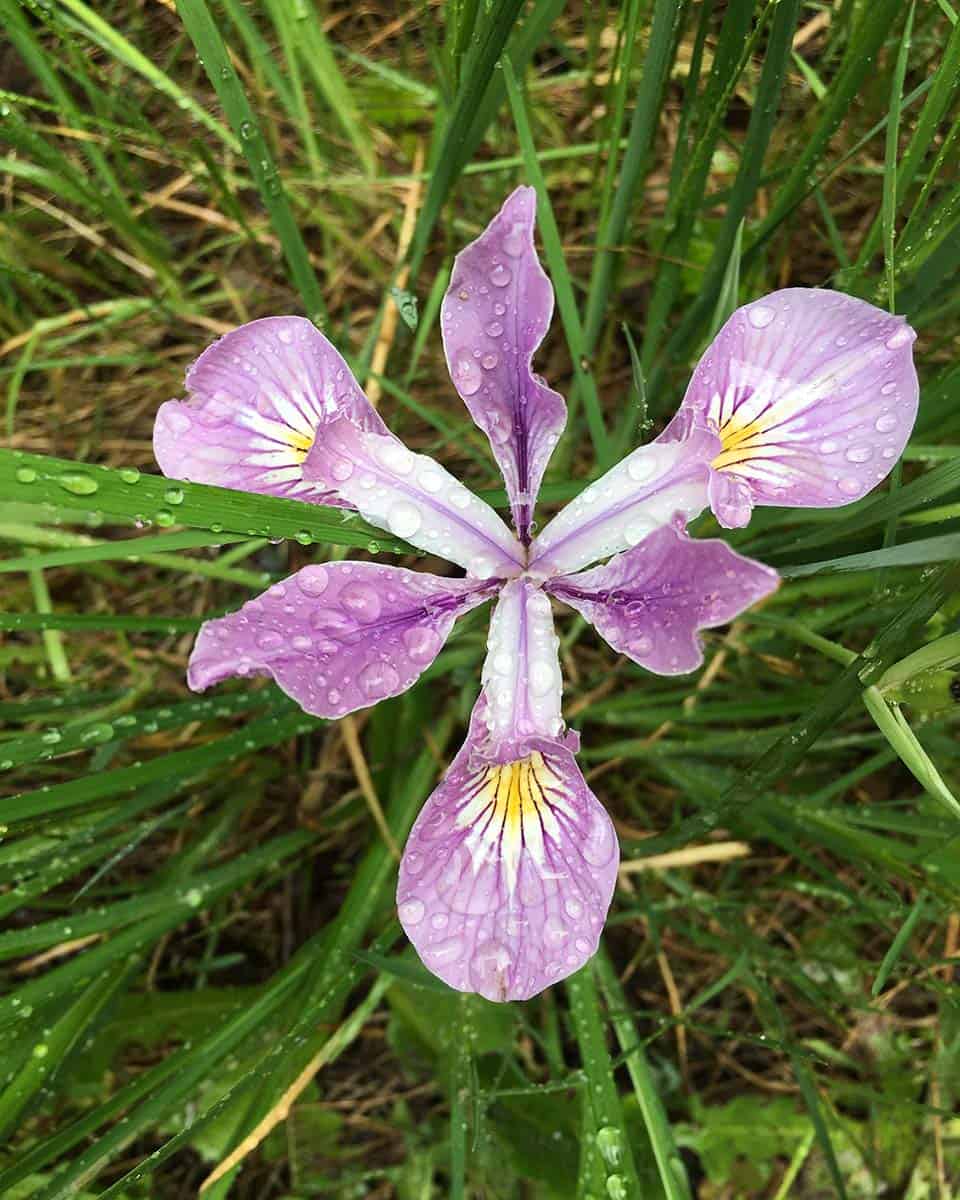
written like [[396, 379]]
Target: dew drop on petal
[[467, 374], [489, 361], [543, 678], [885, 422], [480, 567], [829, 446], [513, 242], [888, 388], [404, 519], [849, 486], [501, 275], [313, 581], [431, 480], [362, 601], [636, 531], [341, 470], [859, 454], [641, 466], [395, 457], [411, 912], [421, 644], [378, 679], [760, 315], [900, 338], [494, 329]]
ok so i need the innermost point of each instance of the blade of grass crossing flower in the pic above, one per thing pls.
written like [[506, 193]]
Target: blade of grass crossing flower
[[212, 52], [668, 18], [673, 1175], [108, 493], [590, 1029], [560, 276], [903, 740]]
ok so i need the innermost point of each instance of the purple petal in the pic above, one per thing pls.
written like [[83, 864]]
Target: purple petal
[[646, 490], [813, 394], [494, 316], [509, 870], [257, 397], [338, 636], [412, 496], [521, 673], [650, 602]]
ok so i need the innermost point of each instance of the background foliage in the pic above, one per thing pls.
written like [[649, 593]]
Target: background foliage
[[199, 937]]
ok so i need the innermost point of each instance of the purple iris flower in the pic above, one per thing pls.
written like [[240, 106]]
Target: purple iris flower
[[805, 397]]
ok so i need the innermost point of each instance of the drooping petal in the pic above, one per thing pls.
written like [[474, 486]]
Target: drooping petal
[[813, 395], [494, 316], [412, 496], [650, 602], [521, 673], [644, 491], [509, 870], [336, 637], [256, 398]]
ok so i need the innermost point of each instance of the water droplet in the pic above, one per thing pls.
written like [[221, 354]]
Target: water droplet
[[636, 531], [885, 422], [481, 567], [341, 469], [26, 475], [642, 465], [173, 495], [489, 361], [501, 275], [431, 480], [51, 737], [610, 1145], [543, 678], [888, 388], [446, 951], [513, 242], [40, 1050], [467, 373], [362, 601], [829, 446], [849, 486], [499, 309], [411, 912], [78, 483], [395, 457], [194, 897], [494, 329], [902, 337], [164, 518], [304, 537], [760, 315], [313, 581], [640, 646], [422, 644], [379, 679], [247, 130], [404, 519], [859, 454]]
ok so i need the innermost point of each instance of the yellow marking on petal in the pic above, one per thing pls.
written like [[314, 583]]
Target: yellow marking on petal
[[507, 814], [300, 444]]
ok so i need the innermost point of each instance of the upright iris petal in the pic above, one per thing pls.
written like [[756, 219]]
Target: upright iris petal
[[494, 316], [813, 395], [257, 397]]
